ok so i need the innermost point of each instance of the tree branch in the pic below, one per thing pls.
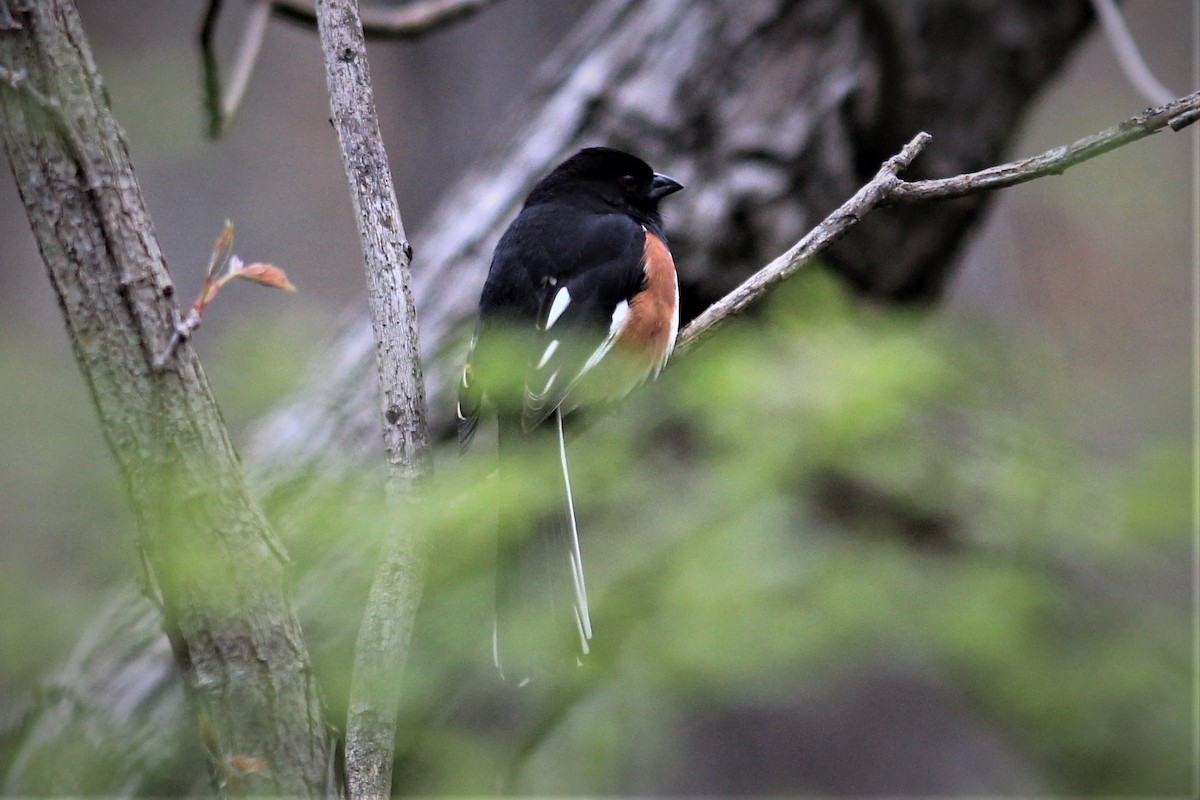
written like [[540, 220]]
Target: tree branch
[[407, 22], [886, 188], [815, 241], [208, 547], [1127, 54], [1176, 115], [386, 629], [223, 107]]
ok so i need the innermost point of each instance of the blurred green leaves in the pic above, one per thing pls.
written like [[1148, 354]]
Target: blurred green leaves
[[820, 490], [830, 487]]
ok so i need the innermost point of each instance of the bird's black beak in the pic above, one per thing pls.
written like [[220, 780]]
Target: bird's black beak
[[662, 186]]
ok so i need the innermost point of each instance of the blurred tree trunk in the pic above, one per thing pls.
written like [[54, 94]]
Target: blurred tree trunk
[[210, 556], [771, 113]]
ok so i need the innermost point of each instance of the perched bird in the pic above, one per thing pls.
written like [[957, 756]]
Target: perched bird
[[580, 305]]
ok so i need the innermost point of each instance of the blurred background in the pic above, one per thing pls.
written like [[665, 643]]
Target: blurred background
[[1069, 327]]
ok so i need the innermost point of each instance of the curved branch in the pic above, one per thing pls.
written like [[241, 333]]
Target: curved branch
[[222, 107], [1127, 54], [1176, 115], [826, 233], [886, 188], [407, 22]]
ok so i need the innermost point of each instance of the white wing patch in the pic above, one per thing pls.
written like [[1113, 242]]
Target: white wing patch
[[550, 348], [561, 300], [619, 315]]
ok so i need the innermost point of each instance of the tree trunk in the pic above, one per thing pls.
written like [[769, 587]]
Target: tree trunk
[[770, 112], [212, 560]]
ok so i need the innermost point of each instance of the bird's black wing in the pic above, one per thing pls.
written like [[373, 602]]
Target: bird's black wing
[[581, 311]]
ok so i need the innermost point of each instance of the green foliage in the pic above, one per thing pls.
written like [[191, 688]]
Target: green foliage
[[818, 492], [829, 488]]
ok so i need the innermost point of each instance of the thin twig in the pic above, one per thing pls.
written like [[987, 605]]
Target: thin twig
[[886, 188], [247, 57], [223, 107], [209, 67], [815, 241], [386, 630], [1175, 114], [404, 22], [1128, 56]]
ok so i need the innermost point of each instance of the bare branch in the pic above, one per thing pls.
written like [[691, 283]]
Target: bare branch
[[1176, 115], [405, 22], [826, 233], [386, 629], [1128, 56], [886, 188], [252, 39], [223, 108]]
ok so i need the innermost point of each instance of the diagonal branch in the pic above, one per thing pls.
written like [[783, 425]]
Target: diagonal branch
[[1176, 115], [830, 229], [222, 107], [886, 188]]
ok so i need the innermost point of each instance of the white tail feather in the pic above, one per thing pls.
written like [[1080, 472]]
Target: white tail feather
[[582, 620]]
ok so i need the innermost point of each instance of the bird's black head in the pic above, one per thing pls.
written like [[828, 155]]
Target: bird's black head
[[609, 177]]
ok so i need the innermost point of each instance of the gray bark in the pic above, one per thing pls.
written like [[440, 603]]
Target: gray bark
[[771, 112], [386, 630], [213, 561]]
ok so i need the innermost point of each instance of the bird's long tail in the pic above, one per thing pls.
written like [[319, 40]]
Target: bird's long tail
[[542, 619]]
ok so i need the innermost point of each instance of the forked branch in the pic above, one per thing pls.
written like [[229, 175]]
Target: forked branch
[[887, 188], [404, 22]]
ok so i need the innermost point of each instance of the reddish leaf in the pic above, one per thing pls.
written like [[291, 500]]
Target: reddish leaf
[[267, 275], [221, 250]]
